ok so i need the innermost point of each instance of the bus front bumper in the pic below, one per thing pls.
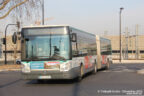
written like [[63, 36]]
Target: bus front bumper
[[71, 74]]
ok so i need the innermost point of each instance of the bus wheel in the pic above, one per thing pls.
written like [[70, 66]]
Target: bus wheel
[[40, 81], [95, 69], [81, 73]]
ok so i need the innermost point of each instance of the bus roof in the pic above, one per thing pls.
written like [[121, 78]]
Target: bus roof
[[82, 31], [62, 25], [39, 26]]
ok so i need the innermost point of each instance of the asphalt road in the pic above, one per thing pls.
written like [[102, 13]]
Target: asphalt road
[[120, 80]]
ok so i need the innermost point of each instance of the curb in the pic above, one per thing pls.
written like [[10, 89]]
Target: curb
[[141, 71], [6, 70], [128, 62]]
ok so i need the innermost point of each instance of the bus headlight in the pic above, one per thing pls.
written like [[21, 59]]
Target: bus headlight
[[65, 67], [25, 67]]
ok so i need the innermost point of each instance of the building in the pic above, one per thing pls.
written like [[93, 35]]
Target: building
[[132, 48], [10, 50]]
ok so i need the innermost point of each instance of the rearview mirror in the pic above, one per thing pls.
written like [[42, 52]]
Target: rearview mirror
[[74, 37], [14, 38], [26, 39]]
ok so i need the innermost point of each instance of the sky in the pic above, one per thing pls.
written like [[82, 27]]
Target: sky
[[95, 16]]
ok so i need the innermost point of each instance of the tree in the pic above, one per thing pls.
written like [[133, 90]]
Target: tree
[[23, 11], [19, 7]]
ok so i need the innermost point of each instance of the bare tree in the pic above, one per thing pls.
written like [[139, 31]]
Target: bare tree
[[19, 8], [22, 11]]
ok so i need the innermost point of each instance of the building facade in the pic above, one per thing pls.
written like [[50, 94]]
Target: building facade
[[132, 47], [10, 50]]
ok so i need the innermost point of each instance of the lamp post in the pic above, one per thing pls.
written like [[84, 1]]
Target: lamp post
[[120, 33], [42, 12]]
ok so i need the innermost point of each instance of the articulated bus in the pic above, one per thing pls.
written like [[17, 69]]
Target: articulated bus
[[62, 52]]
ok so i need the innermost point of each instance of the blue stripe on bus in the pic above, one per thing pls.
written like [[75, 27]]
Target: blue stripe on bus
[[37, 65]]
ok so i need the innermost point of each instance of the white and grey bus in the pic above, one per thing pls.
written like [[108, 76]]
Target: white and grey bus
[[62, 52]]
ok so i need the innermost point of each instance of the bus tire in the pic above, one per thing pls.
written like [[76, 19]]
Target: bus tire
[[81, 73], [95, 69], [40, 81]]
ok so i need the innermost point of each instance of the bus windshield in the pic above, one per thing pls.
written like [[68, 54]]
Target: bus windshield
[[55, 47], [46, 47]]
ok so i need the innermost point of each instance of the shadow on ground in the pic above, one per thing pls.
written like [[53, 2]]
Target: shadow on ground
[[58, 81], [10, 83]]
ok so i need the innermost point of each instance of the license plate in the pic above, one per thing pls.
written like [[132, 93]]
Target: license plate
[[44, 77]]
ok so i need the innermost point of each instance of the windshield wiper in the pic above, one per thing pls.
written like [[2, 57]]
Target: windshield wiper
[[32, 53], [57, 57]]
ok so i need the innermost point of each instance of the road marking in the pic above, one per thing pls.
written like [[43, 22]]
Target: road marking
[[141, 71], [122, 70]]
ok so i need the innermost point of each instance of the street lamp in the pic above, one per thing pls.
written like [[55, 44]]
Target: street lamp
[[120, 33], [42, 12]]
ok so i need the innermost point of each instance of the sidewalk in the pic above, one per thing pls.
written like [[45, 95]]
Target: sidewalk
[[128, 61], [131, 62], [10, 68]]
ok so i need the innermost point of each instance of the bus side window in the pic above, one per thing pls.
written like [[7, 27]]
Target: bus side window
[[74, 45], [74, 49]]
